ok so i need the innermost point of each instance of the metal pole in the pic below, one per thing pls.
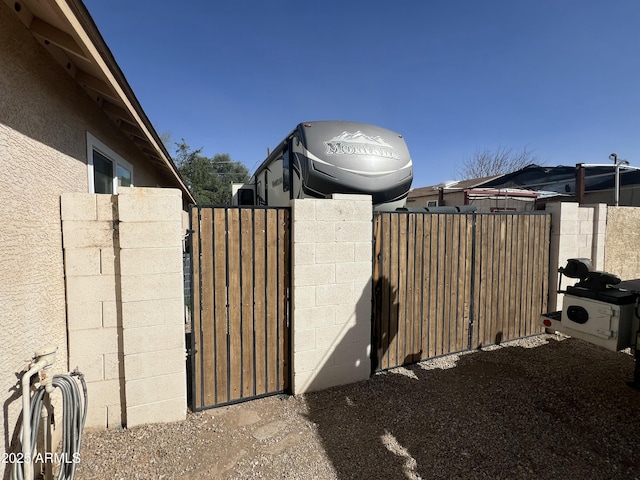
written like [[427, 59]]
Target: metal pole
[[618, 165], [616, 176], [617, 185], [580, 177]]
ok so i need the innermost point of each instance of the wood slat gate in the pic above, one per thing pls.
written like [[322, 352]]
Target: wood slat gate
[[240, 304], [445, 283]]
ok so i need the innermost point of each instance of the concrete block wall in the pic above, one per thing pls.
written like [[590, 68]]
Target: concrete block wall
[[89, 231], [152, 304], [332, 265], [125, 303], [577, 231]]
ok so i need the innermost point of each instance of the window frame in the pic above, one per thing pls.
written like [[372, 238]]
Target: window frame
[[286, 169], [94, 144]]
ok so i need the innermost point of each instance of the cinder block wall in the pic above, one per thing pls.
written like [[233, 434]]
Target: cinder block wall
[[123, 267], [89, 231], [576, 232], [152, 304], [332, 265]]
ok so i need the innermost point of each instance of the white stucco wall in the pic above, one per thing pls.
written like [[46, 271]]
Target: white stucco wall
[[622, 255], [44, 119], [37, 157]]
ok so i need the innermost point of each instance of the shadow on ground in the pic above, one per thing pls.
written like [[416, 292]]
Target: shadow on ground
[[561, 410]]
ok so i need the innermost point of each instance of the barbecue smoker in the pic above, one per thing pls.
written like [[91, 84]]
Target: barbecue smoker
[[600, 309]]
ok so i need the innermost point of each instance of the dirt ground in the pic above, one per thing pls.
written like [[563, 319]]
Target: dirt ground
[[541, 408]]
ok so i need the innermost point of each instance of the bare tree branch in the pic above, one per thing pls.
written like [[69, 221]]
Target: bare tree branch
[[486, 163]]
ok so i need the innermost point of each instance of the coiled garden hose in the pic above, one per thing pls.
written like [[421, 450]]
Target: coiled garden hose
[[74, 414]]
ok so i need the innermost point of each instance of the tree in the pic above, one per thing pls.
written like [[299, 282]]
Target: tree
[[226, 171], [165, 138], [486, 163], [209, 178]]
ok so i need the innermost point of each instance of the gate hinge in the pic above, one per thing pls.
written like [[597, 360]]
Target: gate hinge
[[191, 352]]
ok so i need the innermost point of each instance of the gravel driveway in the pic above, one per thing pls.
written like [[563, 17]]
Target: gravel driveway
[[541, 408]]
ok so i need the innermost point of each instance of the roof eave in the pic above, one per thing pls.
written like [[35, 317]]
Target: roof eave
[[75, 11], [67, 31]]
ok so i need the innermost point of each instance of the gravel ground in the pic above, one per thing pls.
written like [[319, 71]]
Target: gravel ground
[[542, 407]]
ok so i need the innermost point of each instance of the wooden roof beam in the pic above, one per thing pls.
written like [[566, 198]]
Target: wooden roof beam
[[97, 85], [56, 36], [131, 129], [143, 144], [116, 111]]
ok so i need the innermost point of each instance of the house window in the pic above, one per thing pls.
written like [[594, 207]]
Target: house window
[[107, 170]]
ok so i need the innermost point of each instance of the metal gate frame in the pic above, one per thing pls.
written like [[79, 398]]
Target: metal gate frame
[[239, 346]]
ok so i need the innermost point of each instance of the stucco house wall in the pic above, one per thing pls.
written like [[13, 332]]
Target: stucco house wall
[[622, 239], [44, 120]]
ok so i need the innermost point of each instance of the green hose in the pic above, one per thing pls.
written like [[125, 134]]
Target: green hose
[[74, 414]]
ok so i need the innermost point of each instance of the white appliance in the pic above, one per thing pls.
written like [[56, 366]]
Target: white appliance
[[600, 322]]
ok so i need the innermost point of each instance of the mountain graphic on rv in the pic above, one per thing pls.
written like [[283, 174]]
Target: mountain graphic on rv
[[359, 144], [360, 137]]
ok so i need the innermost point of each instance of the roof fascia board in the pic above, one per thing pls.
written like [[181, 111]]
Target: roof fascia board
[[72, 15]]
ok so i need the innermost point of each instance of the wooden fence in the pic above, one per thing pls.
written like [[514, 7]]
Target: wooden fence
[[240, 304], [445, 283]]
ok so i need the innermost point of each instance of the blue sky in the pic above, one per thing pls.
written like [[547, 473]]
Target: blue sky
[[559, 77]]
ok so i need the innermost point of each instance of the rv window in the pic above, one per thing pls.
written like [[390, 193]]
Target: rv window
[[245, 196], [266, 187], [285, 171]]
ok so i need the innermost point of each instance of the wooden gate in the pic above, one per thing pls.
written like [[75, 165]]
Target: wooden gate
[[240, 304], [445, 283]]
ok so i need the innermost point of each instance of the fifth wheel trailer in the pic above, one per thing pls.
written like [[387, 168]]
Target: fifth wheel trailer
[[320, 158]]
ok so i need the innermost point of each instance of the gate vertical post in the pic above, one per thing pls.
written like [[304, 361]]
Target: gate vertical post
[[195, 283], [472, 294]]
